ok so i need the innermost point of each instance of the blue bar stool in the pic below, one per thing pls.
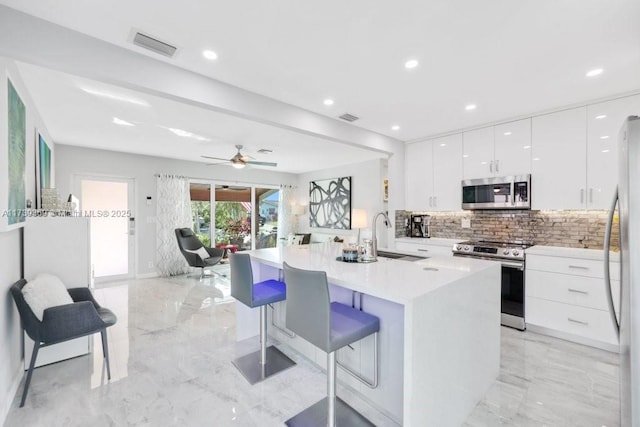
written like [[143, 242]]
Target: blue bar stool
[[267, 361], [329, 326]]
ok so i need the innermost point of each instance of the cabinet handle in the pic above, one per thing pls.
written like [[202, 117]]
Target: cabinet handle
[[582, 195], [591, 195], [580, 322], [423, 250], [491, 166], [430, 201], [435, 201], [497, 165], [578, 291], [578, 267]]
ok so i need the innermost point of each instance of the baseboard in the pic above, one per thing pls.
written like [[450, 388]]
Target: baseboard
[[573, 338], [147, 275], [11, 394]]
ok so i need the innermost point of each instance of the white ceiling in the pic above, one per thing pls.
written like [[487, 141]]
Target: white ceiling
[[509, 57]]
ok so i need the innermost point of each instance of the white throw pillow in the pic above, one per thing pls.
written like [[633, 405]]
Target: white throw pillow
[[200, 251], [45, 291]]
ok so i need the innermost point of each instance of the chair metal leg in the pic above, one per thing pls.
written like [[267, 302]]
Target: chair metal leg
[[331, 389], [105, 351], [263, 334], [34, 355]]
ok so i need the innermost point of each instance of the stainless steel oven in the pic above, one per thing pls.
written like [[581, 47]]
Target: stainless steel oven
[[511, 256]]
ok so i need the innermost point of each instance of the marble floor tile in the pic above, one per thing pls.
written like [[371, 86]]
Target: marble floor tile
[[171, 354]]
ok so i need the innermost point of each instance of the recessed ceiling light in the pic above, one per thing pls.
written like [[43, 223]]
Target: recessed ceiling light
[[412, 63], [395, 127], [210, 55], [443, 145], [601, 116], [470, 107], [507, 133], [536, 158], [604, 137], [594, 72], [121, 122], [605, 151], [526, 147], [465, 155], [328, 102], [186, 134], [115, 96]]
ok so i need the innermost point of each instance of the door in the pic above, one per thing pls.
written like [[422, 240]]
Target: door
[[513, 148], [109, 203], [477, 147], [232, 213], [419, 176], [265, 217]]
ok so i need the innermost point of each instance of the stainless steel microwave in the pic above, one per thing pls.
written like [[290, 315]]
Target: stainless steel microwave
[[506, 192]]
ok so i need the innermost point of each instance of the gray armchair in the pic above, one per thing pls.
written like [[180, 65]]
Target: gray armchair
[[62, 323], [189, 243]]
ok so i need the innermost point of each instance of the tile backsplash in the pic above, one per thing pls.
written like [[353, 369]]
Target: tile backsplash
[[576, 229]]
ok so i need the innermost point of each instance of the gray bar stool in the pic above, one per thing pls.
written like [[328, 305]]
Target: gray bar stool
[[329, 326], [267, 361]]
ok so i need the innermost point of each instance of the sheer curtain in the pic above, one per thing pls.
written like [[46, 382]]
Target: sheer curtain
[[173, 211], [285, 223]]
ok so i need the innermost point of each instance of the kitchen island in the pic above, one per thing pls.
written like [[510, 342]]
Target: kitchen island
[[439, 349]]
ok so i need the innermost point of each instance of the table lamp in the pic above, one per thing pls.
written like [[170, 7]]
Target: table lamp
[[358, 220]]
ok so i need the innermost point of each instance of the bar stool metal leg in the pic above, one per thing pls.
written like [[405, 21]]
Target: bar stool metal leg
[[267, 361], [331, 389]]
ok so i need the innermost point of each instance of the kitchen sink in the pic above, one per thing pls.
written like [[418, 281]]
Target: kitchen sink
[[403, 257]]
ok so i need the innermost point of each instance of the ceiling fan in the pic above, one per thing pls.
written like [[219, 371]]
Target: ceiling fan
[[240, 160]]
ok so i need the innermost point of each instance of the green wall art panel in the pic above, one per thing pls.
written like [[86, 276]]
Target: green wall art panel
[[16, 206]]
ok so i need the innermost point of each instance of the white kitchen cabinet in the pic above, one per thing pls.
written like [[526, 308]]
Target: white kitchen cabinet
[[433, 174], [478, 153], [566, 296], [418, 176], [60, 246], [604, 121], [425, 247], [500, 150], [512, 148], [559, 160]]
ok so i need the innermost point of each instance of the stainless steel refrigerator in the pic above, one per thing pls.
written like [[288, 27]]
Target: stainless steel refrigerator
[[627, 323]]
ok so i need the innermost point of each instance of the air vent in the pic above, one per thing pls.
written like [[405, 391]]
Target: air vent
[[154, 45], [265, 151], [349, 117]]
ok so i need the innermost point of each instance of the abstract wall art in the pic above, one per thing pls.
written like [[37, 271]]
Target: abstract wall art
[[330, 203], [14, 195]]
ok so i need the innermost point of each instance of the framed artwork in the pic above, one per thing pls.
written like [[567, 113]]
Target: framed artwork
[[13, 192], [43, 168], [330, 203]]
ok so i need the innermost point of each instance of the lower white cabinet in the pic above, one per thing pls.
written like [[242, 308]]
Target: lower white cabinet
[[425, 247], [566, 296]]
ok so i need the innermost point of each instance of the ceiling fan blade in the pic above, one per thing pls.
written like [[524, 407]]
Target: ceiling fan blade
[[215, 164], [214, 158], [251, 162]]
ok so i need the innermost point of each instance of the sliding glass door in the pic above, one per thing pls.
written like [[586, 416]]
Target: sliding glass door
[[266, 217], [233, 216]]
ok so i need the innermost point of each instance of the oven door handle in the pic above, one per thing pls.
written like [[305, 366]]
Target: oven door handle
[[518, 265]]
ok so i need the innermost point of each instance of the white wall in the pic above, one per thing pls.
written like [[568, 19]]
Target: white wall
[[366, 193], [10, 249], [72, 161]]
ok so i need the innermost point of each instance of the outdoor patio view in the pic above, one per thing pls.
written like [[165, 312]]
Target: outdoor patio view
[[233, 215]]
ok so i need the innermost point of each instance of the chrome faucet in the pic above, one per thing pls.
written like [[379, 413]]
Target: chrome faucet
[[374, 241]]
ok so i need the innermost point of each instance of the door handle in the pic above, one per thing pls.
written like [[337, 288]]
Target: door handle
[[582, 195], [491, 166], [580, 322], [591, 195], [578, 267], [497, 165], [578, 291], [430, 201]]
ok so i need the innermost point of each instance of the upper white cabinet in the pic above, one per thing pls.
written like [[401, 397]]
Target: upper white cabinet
[[497, 150], [418, 176], [433, 174], [604, 121], [559, 160]]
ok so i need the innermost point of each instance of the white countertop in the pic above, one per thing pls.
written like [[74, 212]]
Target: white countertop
[[390, 279], [560, 251], [436, 241]]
